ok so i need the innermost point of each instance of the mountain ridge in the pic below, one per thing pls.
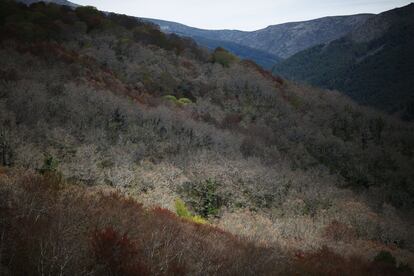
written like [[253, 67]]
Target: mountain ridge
[[267, 39], [372, 64]]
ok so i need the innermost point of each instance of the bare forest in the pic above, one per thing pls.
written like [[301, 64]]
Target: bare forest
[[126, 151]]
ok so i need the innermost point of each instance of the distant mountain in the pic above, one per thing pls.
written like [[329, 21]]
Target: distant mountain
[[59, 2], [374, 64], [281, 40], [206, 39]]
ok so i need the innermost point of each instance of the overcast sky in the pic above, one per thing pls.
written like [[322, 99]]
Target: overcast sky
[[241, 14]]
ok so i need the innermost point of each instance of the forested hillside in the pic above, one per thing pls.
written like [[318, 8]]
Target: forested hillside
[[373, 64], [264, 59], [126, 151]]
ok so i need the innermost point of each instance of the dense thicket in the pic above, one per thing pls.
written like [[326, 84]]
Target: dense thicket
[[51, 227], [106, 100]]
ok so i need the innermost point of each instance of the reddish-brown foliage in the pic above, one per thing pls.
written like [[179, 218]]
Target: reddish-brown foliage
[[188, 65], [164, 213], [231, 120], [266, 74], [97, 75], [117, 253], [327, 262], [338, 231], [48, 50], [50, 226], [205, 117], [9, 75]]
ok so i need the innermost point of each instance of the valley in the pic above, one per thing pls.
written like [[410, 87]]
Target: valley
[[126, 150]]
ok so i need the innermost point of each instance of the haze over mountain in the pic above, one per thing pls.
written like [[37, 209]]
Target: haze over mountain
[[273, 43], [281, 40], [374, 64]]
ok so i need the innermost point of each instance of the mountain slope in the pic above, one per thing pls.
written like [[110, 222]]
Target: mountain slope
[[281, 40], [106, 122], [374, 64]]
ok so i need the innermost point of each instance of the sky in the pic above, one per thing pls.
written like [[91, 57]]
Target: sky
[[244, 15]]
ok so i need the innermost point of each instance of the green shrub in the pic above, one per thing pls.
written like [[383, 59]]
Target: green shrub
[[183, 212], [181, 209], [181, 101], [211, 201], [198, 220], [184, 101], [223, 57], [170, 98], [204, 197], [50, 165]]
